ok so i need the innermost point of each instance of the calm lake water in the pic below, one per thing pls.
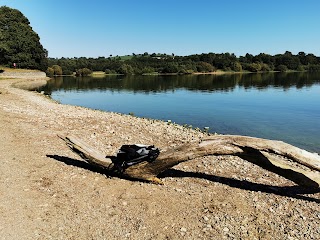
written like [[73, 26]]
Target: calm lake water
[[282, 106]]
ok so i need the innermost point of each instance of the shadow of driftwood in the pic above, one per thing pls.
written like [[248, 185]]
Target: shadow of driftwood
[[84, 165], [292, 191], [77, 163], [256, 157]]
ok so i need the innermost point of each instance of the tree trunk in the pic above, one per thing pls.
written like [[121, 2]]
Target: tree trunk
[[291, 162]]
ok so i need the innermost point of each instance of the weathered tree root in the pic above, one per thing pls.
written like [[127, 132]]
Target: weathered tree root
[[295, 164]]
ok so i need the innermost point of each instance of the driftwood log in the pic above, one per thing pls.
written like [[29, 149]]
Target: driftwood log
[[295, 164]]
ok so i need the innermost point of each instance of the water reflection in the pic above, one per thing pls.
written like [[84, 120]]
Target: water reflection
[[205, 83]]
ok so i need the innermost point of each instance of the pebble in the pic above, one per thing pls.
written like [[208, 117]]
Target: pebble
[[206, 218], [183, 229], [226, 229]]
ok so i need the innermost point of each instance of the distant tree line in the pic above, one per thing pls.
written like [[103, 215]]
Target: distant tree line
[[204, 63]]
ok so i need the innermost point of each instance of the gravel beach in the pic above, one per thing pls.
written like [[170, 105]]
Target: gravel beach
[[48, 192]]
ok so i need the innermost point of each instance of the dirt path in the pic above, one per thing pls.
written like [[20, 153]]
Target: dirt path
[[47, 192]]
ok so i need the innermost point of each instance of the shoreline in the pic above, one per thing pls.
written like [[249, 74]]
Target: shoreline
[[102, 74], [48, 192]]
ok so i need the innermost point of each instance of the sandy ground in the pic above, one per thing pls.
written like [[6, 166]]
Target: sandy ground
[[47, 192]]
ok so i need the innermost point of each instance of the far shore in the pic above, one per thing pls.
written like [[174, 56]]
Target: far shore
[[24, 73]]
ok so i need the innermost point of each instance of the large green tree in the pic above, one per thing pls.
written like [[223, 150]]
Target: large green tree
[[18, 42]]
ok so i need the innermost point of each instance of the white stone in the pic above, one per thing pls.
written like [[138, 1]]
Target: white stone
[[183, 229]]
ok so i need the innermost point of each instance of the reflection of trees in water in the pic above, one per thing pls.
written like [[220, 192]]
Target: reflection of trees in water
[[208, 83]]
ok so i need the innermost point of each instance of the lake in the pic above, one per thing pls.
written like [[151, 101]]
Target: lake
[[281, 106]]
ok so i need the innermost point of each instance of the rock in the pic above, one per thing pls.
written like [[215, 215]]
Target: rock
[[183, 229]]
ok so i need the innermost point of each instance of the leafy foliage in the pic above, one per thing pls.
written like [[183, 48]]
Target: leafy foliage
[[171, 64], [282, 68], [83, 72], [57, 70], [50, 72], [19, 43]]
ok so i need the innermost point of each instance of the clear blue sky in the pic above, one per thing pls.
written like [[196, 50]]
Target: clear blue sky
[[75, 28]]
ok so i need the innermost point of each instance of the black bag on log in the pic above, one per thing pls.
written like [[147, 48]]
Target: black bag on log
[[129, 155]]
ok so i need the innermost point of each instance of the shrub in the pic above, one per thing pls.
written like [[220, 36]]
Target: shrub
[[67, 72], [237, 67], [126, 69], [265, 67], [282, 68], [86, 71], [147, 70], [314, 68], [50, 72], [170, 68], [254, 67], [57, 70], [300, 68], [108, 71], [83, 72], [205, 67]]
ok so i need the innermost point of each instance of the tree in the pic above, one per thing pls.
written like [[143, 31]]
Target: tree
[[237, 67], [57, 70], [314, 68], [266, 68], [249, 58], [302, 58], [311, 59], [263, 58], [254, 67], [205, 67], [290, 61], [282, 68], [50, 72], [19, 43], [83, 72], [126, 69], [86, 71], [170, 68]]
